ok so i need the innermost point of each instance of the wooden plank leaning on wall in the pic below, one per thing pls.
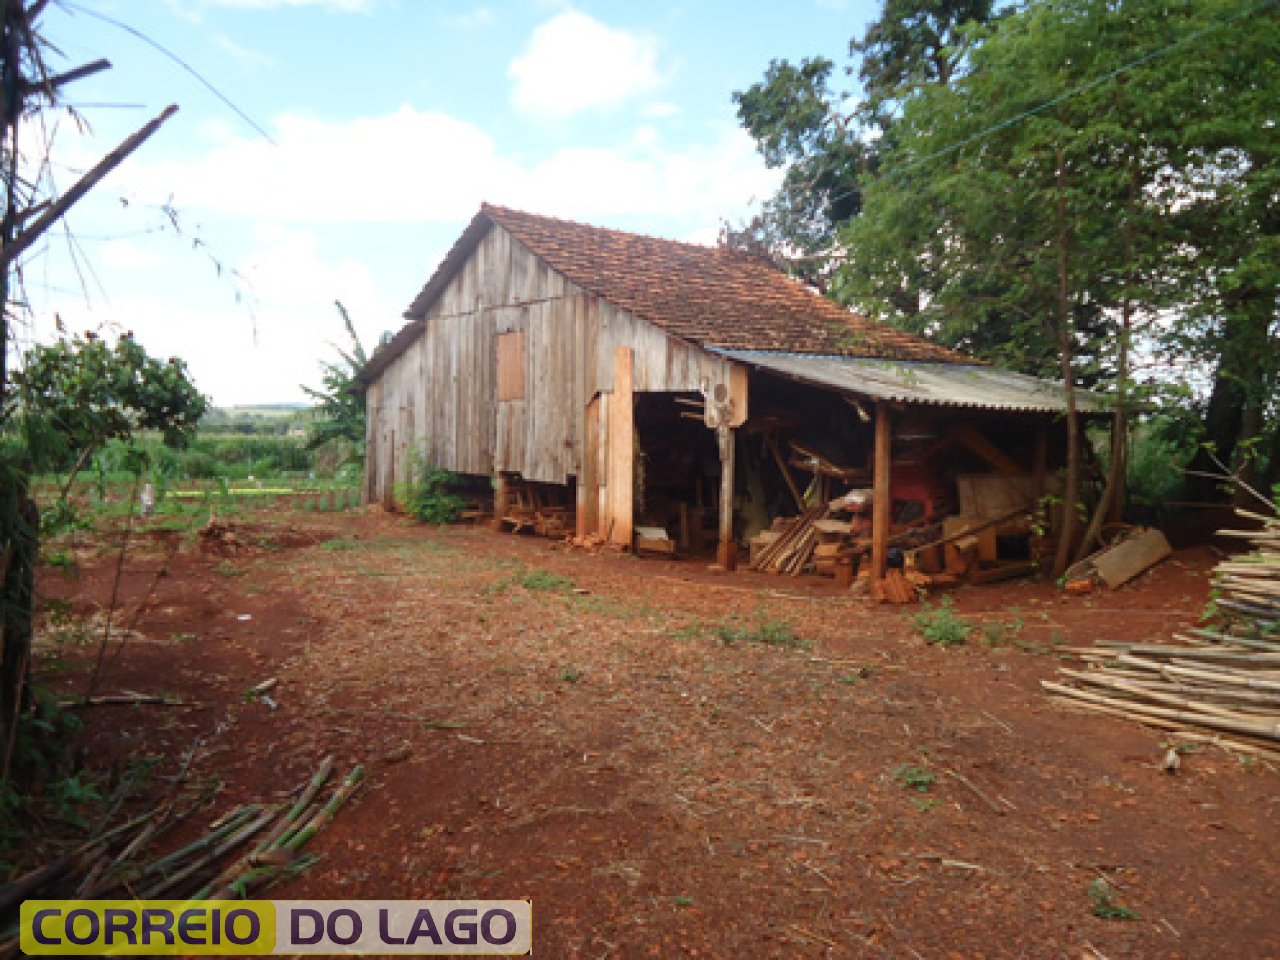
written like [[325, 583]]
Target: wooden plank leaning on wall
[[619, 520]]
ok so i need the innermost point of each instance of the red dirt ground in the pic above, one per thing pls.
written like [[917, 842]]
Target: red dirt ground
[[596, 733]]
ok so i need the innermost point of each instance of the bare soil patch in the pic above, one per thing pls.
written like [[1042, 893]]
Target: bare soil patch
[[611, 738]]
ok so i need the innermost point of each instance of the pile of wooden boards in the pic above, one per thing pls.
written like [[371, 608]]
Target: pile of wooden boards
[[896, 587], [967, 550], [1119, 562], [1249, 585], [835, 544], [1221, 686], [524, 505], [789, 547]]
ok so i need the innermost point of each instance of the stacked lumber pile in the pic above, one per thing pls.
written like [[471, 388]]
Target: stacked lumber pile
[[792, 549], [244, 851], [1220, 686], [896, 587], [836, 542], [1249, 585]]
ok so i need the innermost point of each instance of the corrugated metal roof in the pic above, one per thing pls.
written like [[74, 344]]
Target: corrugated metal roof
[[909, 381]]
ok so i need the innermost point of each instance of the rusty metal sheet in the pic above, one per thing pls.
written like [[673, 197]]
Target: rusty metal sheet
[[942, 384]]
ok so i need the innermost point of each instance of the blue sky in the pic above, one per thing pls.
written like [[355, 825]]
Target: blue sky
[[390, 121]]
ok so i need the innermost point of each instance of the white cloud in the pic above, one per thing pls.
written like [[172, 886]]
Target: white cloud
[[250, 61], [420, 167], [127, 255], [660, 111], [405, 166], [286, 268], [341, 6], [244, 353], [472, 19], [701, 182], [574, 62], [193, 10], [353, 210]]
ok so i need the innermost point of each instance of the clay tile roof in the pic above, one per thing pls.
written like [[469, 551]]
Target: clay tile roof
[[709, 295], [717, 298]]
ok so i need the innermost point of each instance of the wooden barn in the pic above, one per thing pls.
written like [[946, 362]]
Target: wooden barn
[[657, 394]]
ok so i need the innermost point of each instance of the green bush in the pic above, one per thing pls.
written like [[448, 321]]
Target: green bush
[[431, 495], [1161, 449], [770, 632], [914, 777], [941, 625], [544, 580]]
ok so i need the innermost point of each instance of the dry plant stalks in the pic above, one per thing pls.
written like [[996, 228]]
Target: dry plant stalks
[[213, 866]]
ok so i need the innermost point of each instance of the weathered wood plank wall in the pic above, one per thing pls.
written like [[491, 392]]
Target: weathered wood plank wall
[[440, 397]]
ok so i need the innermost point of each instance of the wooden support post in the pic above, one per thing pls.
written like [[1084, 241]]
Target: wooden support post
[[589, 479], [389, 491], [499, 500], [620, 521], [727, 554], [882, 495]]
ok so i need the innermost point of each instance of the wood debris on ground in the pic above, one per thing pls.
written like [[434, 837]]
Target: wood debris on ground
[[219, 536], [1220, 686], [240, 853], [792, 548]]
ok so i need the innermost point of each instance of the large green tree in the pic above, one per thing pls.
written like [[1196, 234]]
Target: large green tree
[[828, 139], [1227, 154], [68, 399], [1050, 193], [72, 396]]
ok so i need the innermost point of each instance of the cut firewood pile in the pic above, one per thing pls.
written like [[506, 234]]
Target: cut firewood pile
[[239, 854], [1220, 686], [523, 505], [788, 547]]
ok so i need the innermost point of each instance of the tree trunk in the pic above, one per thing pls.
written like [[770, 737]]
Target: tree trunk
[[1245, 464], [19, 530], [1111, 503], [1071, 485], [1222, 422]]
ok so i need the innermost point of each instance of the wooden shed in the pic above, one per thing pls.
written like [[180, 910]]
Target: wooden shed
[[638, 380]]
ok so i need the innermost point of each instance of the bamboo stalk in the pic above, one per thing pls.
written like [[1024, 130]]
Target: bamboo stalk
[[230, 843], [1262, 730], [294, 842], [1229, 639], [1172, 699], [326, 815], [1223, 741], [287, 822], [1219, 677], [1203, 653], [223, 826]]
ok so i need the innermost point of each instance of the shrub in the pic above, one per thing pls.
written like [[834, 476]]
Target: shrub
[[544, 580], [1105, 906], [941, 625], [431, 495], [914, 777], [770, 632]]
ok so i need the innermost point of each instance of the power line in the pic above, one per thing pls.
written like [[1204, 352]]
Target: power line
[[132, 31], [1060, 98], [1082, 88]]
